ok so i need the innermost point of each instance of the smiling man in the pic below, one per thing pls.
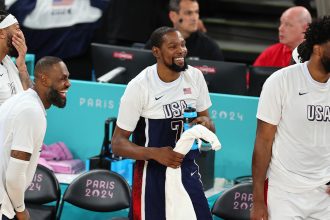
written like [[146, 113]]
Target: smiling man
[[22, 130], [152, 108], [13, 78]]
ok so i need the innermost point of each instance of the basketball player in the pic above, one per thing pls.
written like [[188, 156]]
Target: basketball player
[[292, 147], [22, 130], [152, 108], [13, 78]]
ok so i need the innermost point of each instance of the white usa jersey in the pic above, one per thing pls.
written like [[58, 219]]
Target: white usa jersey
[[149, 97], [153, 109], [300, 107]]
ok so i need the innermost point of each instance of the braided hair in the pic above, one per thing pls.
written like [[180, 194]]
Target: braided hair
[[318, 32]]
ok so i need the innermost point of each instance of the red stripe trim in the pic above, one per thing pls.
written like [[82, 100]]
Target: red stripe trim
[[137, 189]]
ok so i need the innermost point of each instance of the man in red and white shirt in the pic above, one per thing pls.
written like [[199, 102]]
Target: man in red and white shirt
[[293, 24]]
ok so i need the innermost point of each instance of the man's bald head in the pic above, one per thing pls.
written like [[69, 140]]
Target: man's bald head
[[293, 24]]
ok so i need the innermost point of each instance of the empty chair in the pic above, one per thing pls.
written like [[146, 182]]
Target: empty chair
[[223, 77], [43, 189], [119, 64], [98, 190], [235, 203], [258, 76]]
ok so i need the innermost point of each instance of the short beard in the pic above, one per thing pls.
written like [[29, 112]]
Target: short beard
[[326, 64], [55, 99], [177, 68]]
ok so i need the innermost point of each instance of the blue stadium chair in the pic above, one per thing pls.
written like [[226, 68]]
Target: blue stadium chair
[[258, 76]]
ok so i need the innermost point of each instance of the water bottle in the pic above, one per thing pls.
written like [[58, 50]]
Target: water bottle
[[189, 115]]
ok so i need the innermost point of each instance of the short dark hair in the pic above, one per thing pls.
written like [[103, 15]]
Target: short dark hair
[[318, 32], [3, 15], [174, 5], [156, 38], [44, 64]]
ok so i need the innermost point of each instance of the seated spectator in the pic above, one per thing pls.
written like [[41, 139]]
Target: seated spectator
[[184, 15], [293, 23], [63, 29]]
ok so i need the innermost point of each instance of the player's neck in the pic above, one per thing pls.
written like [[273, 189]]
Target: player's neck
[[167, 75], [42, 96], [317, 72]]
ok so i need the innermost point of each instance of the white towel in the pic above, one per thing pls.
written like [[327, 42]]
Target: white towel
[[178, 204]]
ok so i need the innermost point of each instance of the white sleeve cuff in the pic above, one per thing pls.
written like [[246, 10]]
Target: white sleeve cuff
[[16, 182]]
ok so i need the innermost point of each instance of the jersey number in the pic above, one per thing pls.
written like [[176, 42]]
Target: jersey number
[[178, 127]]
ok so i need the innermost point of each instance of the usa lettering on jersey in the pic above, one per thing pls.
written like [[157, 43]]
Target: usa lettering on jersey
[[174, 109], [318, 113]]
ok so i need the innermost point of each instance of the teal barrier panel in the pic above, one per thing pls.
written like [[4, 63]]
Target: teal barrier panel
[[80, 125], [29, 60], [235, 121]]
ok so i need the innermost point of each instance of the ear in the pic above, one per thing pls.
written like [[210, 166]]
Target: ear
[[317, 50], [155, 51], [174, 17], [44, 80], [2, 34], [305, 26]]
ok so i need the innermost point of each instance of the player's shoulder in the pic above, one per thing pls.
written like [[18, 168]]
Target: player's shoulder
[[286, 75], [193, 71], [142, 80]]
